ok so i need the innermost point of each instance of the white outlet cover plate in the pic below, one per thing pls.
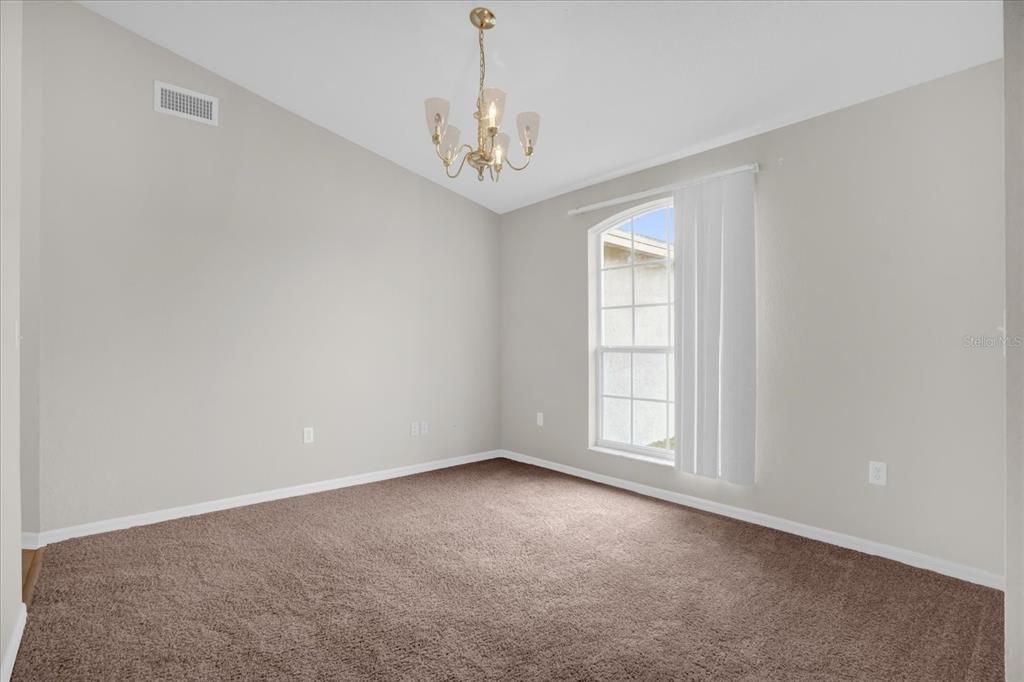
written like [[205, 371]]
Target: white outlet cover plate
[[876, 473]]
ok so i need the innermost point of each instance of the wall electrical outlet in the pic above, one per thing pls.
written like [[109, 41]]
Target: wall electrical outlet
[[424, 428], [540, 419], [414, 430], [876, 473], [307, 435]]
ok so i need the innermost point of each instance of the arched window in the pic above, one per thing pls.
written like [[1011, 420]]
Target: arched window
[[634, 320], [672, 325]]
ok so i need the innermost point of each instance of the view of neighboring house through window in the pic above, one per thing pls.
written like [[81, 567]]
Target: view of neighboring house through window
[[635, 370]]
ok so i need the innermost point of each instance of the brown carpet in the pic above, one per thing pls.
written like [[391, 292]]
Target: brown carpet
[[496, 571]]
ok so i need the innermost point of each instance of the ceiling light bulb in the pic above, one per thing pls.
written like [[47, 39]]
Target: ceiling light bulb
[[437, 117], [450, 144], [528, 124], [492, 106], [500, 149]]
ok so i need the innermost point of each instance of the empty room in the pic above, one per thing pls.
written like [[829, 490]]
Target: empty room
[[520, 341]]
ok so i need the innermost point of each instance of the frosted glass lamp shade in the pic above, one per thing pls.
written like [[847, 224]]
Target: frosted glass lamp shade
[[493, 101], [437, 115], [500, 151], [528, 124], [450, 143]]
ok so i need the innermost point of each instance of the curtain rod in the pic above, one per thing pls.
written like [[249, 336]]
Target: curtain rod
[[749, 168]]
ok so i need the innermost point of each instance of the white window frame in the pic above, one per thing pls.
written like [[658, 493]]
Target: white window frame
[[659, 456]]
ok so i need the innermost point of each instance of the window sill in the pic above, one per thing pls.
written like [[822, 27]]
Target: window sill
[[633, 455]]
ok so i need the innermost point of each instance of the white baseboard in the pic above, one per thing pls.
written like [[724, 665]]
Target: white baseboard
[[12, 645], [37, 540], [904, 556], [30, 540]]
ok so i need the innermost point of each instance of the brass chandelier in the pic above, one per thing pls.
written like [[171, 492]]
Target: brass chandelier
[[491, 153]]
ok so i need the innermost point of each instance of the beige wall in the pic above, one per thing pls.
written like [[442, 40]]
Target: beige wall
[[879, 248], [206, 292], [33, 51], [10, 218], [1013, 29]]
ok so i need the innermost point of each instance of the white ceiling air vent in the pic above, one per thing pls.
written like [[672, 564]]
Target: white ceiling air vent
[[176, 101]]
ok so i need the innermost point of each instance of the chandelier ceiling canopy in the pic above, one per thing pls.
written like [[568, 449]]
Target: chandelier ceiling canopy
[[492, 146]]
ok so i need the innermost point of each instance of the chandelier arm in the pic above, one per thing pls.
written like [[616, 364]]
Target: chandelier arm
[[462, 163], [508, 162], [437, 150]]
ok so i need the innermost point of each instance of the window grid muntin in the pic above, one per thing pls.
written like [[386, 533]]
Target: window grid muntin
[[668, 351]]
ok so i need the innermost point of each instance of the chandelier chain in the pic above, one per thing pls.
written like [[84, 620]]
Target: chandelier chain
[[483, 67]]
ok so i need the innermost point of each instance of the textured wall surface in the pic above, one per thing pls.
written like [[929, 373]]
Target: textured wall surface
[[1013, 42], [203, 293], [10, 226], [880, 291]]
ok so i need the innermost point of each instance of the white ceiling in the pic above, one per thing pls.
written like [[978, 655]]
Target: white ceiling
[[620, 86]]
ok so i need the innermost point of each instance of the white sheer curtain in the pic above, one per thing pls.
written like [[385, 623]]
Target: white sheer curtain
[[716, 327]]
